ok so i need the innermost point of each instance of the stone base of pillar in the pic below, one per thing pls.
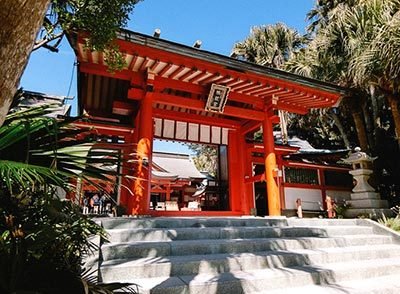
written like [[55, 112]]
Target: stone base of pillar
[[368, 203], [372, 213], [365, 195]]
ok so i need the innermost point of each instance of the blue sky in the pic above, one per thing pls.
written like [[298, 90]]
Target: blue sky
[[217, 23]]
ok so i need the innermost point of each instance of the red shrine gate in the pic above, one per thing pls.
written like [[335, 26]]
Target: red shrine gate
[[176, 92]]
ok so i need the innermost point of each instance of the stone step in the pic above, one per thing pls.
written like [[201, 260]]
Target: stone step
[[266, 280], [207, 246], [311, 222], [381, 285], [154, 234], [190, 222], [219, 263]]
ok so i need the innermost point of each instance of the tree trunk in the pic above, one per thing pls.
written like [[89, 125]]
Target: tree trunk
[[368, 125], [360, 129], [374, 105], [20, 21], [340, 127], [394, 107], [375, 113]]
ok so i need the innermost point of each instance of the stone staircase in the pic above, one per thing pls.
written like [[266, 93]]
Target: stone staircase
[[251, 255]]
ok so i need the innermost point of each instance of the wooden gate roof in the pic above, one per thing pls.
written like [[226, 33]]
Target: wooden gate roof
[[183, 77]]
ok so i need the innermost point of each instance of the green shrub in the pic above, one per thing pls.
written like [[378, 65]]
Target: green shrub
[[391, 222], [43, 239]]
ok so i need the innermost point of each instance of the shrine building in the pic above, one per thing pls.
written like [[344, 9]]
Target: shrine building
[[175, 92]]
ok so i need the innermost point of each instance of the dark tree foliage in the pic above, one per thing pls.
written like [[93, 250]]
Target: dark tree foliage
[[44, 239], [21, 22], [319, 129], [355, 43], [100, 19]]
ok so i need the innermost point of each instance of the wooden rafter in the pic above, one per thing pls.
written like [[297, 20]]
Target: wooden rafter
[[250, 87], [269, 92], [177, 71], [145, 64], [199, 78], [241, 86], [165, 69], [225, 80], [234, 82], [212, 78], [133, 62], [188, 74], [155, 65]]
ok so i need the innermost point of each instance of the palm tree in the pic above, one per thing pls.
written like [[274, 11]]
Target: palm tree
[[319, 15], [318, 61], [37, 151], [270, 45], [344, 33], [274, 46], [378, 65], [358, 42], [367, 33]]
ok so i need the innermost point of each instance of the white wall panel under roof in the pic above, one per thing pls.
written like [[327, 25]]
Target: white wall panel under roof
[[224, 136], [216, 135], [169, 129], [158, 127], [193, 132], [198, 133], [181, 130], [204, 133]]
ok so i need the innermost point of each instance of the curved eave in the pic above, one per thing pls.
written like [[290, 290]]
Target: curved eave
[[157, 175], [230, 63]]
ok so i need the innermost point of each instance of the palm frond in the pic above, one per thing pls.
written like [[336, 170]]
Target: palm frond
[[269, 45], [27, 176], [36, 150]]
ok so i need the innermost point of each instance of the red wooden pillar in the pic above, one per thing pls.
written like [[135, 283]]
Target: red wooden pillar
[[279, 163], [168, 193], [321, 176], [236, 174], [140, 202], [127, 168], [271, 170], [248, 173]]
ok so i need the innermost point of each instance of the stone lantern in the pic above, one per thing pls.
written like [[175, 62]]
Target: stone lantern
[[364, 199]]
